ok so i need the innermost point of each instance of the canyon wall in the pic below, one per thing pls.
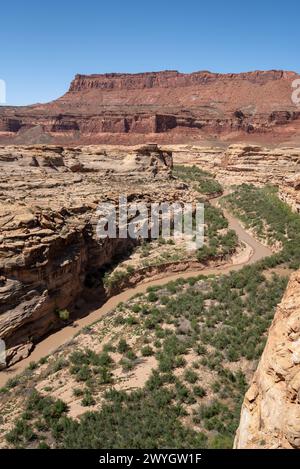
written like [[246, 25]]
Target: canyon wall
[[251, 164], [260, 165], [166, 106], [50, 256], [270, 416]]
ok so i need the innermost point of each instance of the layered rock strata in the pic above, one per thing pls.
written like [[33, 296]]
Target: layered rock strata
[[270, 416], [170, 106], [49, 253], [252, 164]]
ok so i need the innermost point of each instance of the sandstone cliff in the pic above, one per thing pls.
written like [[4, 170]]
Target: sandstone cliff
[[49, 253], [260, 165], [270, 416], [170, 106], [252, 164]]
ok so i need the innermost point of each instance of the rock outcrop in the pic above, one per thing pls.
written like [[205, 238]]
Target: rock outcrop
[[252, 164], [170, 106], [260, 165], [270, 416], [49, 252]]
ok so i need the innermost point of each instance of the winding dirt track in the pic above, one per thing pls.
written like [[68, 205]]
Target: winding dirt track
[[55, 340]]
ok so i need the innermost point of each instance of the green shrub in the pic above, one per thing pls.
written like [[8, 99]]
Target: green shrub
[[199, 391], [32, 366], [104, 359], [21, 434], [77, 392], [59, 364], [200, 349], [82, 373], [131, 355], [13, 382], [105, 375], [109, 348], [43, 445], [190, 376], [127, 365], [147, 351], [131, 321], [63, 314], [88, 400], [136, 308], [122, 347], [152, 297]]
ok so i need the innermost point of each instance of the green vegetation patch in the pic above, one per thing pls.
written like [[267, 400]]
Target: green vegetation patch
[[271, 219], [202, 181]]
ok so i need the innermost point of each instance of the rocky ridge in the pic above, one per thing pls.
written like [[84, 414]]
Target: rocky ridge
[[270, 416]]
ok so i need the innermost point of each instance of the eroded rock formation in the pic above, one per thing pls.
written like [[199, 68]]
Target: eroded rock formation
[[170, 106], [49, 252], [253, 164], [270, 416]]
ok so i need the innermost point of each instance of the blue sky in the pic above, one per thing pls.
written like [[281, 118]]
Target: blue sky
[[44, 44]]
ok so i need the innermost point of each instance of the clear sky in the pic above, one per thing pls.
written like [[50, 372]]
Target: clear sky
[[43, 44]]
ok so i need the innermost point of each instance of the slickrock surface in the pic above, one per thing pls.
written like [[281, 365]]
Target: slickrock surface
[[168, 107], [49, 254], [242, 163], [270, 416]]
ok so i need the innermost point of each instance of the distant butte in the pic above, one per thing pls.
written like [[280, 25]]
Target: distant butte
[[163, 107]]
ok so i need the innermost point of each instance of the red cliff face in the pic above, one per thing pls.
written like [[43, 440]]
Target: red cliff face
[[168, 79], [163, 106]]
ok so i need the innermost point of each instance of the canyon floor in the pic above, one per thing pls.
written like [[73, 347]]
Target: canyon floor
[[160, 346]]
